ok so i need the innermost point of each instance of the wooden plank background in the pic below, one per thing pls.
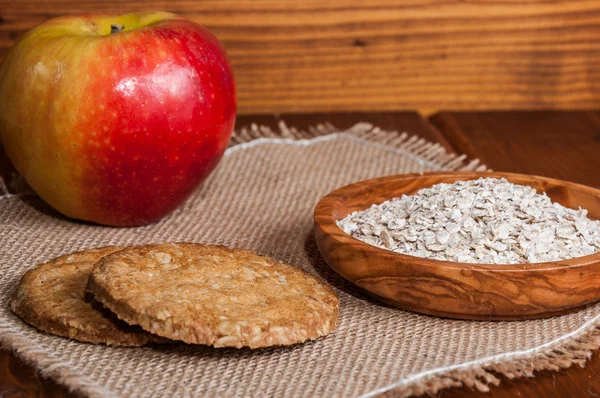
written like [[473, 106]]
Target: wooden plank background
[[336, 55]]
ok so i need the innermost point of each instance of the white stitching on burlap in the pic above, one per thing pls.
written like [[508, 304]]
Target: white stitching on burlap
[[548, 346], [330, 137]]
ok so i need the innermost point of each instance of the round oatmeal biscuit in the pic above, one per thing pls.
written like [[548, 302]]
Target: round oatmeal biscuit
[[203, 294], [51, 297]]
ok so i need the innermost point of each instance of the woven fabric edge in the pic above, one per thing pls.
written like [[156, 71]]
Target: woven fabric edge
[[47, 366], [413, 146], [577, 349]]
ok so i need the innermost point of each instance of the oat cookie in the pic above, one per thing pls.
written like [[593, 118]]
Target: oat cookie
[[213, 295], [50, 297]]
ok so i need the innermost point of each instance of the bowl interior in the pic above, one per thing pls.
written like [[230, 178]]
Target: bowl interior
[[362, 195]]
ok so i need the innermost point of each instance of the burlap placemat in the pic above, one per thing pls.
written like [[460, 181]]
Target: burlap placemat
[[261, 197]]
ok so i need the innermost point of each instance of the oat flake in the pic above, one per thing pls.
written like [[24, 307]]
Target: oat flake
[[488, 221]]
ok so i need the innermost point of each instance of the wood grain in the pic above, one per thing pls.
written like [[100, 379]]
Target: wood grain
[[318, 56], [18, 380], [564, 145], [409, 122], [449, 289]]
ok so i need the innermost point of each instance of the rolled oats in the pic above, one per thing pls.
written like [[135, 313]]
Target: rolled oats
[[488, 221]]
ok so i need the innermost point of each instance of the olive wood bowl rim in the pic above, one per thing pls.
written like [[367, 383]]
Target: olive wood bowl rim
[[324, 219]]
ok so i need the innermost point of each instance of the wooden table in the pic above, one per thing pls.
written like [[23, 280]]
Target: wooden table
[[564, 145]]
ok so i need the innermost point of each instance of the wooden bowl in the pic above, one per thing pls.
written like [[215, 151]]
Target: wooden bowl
[[452, 289]]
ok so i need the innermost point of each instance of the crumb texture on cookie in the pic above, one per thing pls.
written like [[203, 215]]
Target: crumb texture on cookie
[[203, 294], [51, 297]]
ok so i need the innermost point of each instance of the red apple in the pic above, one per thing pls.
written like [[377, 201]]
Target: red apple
[[116, 119]]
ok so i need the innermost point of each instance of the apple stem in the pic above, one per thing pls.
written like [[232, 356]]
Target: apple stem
[[116, 28]]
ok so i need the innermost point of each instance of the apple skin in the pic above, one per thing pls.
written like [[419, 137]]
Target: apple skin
[[116, 129]]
